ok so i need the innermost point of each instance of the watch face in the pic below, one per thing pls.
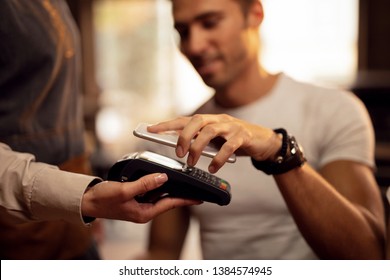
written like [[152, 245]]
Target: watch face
[[296, 147]]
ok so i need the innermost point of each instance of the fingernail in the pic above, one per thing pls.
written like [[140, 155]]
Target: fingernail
[[179, 151], [190, 160], [212, 169], [161, 178]]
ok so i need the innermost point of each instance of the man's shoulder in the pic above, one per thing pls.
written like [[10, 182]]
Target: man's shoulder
[[315, 91]]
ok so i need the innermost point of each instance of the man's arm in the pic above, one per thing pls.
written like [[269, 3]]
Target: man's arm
[[167, 234], [340, 213]]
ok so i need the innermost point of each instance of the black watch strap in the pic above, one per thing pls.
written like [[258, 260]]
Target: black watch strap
[[290, 157]]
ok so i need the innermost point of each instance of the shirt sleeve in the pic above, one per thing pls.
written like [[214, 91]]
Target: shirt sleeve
[[34, 191], [349, 134]]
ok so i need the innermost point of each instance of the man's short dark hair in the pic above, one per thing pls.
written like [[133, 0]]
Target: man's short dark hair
[[245, 5]]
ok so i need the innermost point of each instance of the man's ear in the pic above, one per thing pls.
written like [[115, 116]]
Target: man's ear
[[255, 14]]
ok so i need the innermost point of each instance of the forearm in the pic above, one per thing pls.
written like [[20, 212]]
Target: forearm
[[334, 226], [33, 191], [166, 242]]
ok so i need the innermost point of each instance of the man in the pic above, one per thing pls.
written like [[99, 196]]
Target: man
[[43, 210], [283, 207]]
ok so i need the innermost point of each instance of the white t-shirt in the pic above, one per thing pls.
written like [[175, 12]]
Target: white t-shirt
[[330, 125]]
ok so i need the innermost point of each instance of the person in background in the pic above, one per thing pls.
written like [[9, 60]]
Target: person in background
[[47, 197], [303, 187]]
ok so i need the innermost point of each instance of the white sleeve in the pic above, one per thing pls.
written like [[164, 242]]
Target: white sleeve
[[350, 134], [33, 191]]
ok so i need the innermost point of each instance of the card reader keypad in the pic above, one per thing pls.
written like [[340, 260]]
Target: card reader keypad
[[209, 178]]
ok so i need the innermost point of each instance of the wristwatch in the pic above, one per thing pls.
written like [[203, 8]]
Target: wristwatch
[[290, 156]]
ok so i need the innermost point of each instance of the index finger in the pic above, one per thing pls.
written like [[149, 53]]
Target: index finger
[[194, 127], [175, 124]]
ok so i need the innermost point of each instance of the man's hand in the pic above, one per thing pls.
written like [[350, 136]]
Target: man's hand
[[241, 137], [115, 200]]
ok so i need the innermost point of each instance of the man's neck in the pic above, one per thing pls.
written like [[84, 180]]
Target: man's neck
[[246, 89]]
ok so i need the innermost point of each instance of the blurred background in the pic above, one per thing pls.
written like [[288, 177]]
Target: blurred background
[[134, 73]]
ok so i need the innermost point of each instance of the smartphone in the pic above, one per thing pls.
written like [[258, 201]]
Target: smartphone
[[184, 181], [170, 138]]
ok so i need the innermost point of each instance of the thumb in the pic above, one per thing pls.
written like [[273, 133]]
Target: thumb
[[148, 182]]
